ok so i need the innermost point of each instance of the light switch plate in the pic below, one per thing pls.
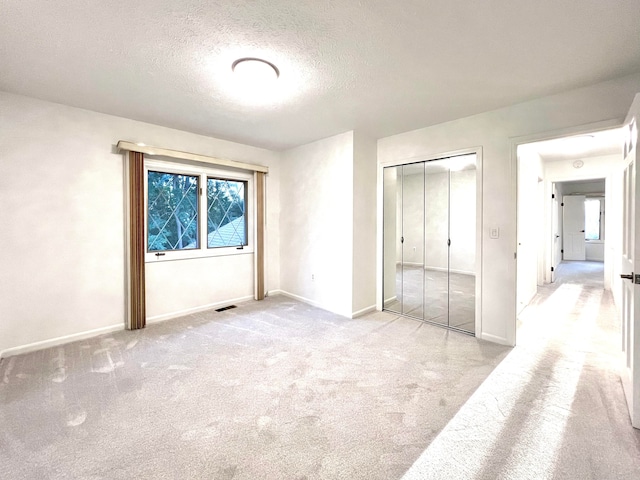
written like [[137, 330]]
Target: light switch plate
[[494, 232]]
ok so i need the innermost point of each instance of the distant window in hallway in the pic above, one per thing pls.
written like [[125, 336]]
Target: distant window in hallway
[[592, 219]]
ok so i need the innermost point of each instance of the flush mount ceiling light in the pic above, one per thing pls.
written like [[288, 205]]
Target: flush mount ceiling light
[[255, 70], [577, 144], [254, 81]]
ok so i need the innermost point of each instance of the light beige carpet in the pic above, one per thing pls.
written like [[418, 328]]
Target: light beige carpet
[[270, 390], [554, 408]]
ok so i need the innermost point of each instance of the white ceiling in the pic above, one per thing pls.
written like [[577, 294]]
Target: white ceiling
[[606, 142], [379, 66]]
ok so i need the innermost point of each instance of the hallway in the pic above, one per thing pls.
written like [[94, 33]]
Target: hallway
[[554, 408]]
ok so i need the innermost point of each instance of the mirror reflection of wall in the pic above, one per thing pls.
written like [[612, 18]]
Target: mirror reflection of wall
[[390, 195], [430, 241]]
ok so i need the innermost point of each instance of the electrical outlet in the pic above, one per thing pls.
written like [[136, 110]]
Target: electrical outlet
[[313, 277]]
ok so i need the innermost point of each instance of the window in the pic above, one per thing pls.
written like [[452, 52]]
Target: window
[[593, 219], [226, 221], [196, 211], [172, 211]]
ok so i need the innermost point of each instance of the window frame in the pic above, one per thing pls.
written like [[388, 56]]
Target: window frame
[[246, 209], [203, 172], [198, 208]]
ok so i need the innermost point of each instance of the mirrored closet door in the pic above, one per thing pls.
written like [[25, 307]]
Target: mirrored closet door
[[429, 222]]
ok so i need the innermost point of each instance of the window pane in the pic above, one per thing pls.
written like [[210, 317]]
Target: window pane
[[172, 211], [592, 219], [226, 220]]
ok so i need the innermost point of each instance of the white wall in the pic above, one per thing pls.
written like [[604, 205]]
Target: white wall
[[317, 222], [364, 223], [62, 217], [411, 211], [390, 239], [463, 221], [437, 221], [430, 219], [529, 226], [495, 132], [584, 187]]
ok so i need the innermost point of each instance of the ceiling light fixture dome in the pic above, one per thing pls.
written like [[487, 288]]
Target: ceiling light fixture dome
[[255, 70]]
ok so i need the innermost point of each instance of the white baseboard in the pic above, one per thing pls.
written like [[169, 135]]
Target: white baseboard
[[313, 303], [438, 269], [308, 301], [54, 342], [202, 308], [413, 264], [494, 339], [363, 311], [300, 298], [391, 299], [451, 270]]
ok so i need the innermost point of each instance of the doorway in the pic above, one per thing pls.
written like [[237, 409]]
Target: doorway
[[429, 247], [575, 179]]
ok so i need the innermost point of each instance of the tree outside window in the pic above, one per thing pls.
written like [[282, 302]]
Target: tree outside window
[[172, 211], [592, 219]]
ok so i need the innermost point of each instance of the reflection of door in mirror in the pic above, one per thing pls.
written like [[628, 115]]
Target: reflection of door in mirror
[[429, 224]]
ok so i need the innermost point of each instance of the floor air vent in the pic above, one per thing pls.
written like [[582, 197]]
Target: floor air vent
[[225, 308]]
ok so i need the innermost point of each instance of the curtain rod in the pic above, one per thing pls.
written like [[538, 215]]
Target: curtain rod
[[165, 152]]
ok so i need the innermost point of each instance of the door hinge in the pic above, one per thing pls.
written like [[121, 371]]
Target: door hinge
[[562, 204], [636, 280], [448, 242], [553, 195], [552, 269], [200, 190], [561, 251]]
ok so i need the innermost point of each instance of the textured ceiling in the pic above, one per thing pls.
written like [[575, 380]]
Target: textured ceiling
[[605, 142], [382, 67]]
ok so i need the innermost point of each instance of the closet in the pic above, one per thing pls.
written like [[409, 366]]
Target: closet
[[429, 244]]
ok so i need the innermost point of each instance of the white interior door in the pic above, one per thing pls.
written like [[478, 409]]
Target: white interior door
[[573, 227], [630, 263]]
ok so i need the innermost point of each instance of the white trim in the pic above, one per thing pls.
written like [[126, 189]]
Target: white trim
[[54, 342], [450, 270], [203, 251], [300, 298], [427, 158], [495, 339], [202, 308], [308, 302], [363, 311], [196, 157], [391, 299], [410, 264]]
